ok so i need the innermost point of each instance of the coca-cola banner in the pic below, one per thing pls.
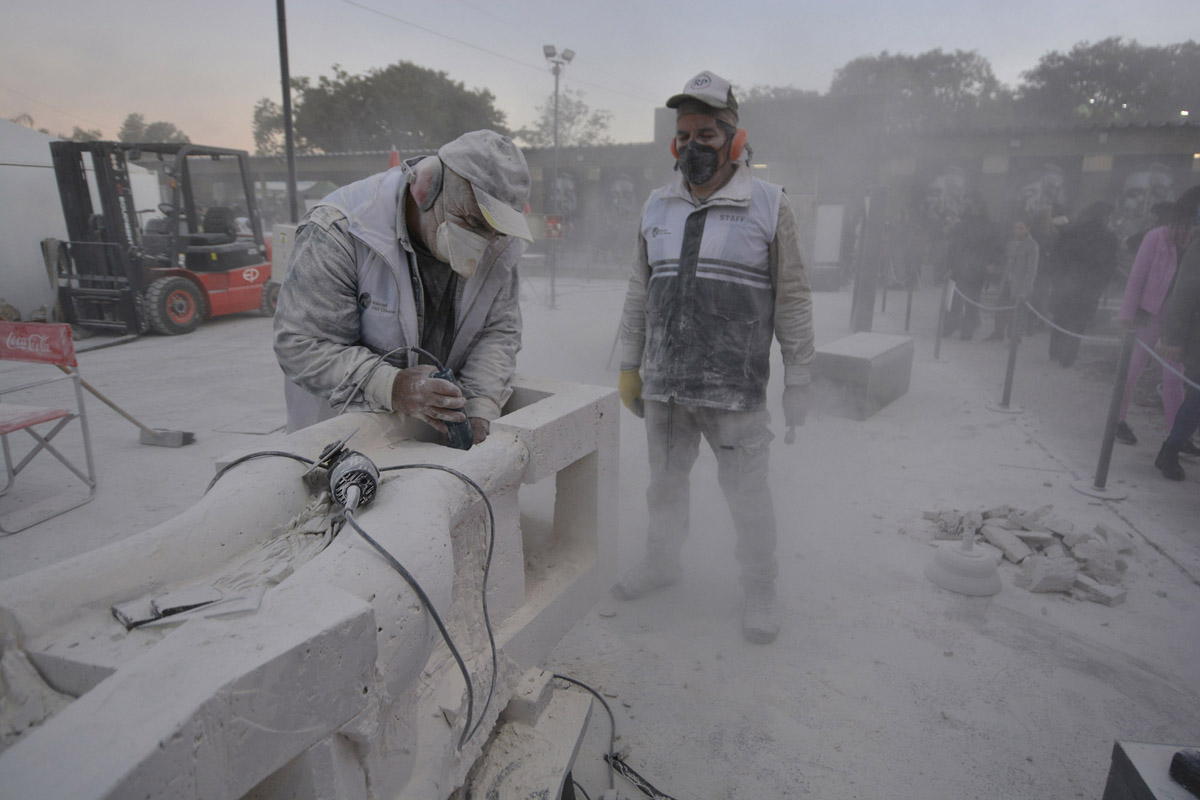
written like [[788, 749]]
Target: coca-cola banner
[[44, 342]]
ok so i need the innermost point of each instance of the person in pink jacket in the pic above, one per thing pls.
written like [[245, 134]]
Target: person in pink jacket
[[1146, 291]]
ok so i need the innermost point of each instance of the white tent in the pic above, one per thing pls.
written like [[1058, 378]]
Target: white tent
[[29, 212]]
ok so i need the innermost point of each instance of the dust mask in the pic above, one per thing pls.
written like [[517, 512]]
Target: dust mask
[[460, 248], [698, 163]]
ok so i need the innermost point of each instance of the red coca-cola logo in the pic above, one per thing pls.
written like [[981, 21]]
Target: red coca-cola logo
[[33, 343]]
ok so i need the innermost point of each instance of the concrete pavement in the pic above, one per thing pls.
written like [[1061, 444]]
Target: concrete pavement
[[881, 684]]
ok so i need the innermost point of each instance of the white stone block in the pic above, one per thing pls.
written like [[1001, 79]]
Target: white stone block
[[1042, 574], [1014, 549], [1058, 525], [530, 697], [1118, 540], [1038, 539], [1096, 592]]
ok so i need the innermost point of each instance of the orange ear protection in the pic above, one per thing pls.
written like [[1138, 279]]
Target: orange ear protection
[[735, 147], [425, 181], [738, 145]]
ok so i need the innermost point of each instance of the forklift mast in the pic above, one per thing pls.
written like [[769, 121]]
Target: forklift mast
[[102, 279]]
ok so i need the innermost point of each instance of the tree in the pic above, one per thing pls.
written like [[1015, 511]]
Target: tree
[[931, 90], [79, 134], [135, 129], [268, 128], [400, 105], [760, 92], [1111, 81], [578, 125]]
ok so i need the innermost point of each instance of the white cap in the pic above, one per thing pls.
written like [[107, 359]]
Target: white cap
[[710, 89], [499, 176]]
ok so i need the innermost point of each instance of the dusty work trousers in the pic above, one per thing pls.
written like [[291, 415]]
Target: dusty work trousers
[[741, 441]]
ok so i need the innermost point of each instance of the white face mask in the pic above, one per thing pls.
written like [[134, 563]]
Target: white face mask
[[460, 248]]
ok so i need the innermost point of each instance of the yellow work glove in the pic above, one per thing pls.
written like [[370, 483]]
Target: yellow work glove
[[630, 388]]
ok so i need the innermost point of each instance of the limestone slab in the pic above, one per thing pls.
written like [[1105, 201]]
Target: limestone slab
[[1009, 543], [1097, 592], [858, 375], [1042, 574]]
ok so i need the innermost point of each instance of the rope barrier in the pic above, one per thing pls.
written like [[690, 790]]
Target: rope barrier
[[1167, 366], [982, 306], [1080, 336]]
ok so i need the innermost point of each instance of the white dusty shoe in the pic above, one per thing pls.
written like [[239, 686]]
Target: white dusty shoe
[[760, 614], [645, 578]]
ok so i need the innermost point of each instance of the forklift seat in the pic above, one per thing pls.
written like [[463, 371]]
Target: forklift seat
[[156, 236], [220, 227]]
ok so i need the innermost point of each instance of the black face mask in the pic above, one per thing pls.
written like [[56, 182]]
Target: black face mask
[[698, 163]]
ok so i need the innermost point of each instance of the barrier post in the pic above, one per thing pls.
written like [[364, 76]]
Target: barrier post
[[941, 323], [908, 309], [883, 297], [1018, 322], [1098, 487]]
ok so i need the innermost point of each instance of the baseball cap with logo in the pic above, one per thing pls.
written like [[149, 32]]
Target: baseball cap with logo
[[709, 89], [498, 175]]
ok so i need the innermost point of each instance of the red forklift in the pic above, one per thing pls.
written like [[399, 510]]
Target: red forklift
[[200, 254]]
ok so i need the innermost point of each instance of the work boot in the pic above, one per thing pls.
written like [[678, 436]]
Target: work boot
[[1168, 463], [1125, 433], [645, 578], [1188, 448], [760, 614]]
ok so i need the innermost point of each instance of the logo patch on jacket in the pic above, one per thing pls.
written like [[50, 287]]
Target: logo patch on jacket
[[367, 304], [732, 217], [656, 232]]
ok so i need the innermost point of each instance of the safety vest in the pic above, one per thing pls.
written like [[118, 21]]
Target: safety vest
[[710, 301]]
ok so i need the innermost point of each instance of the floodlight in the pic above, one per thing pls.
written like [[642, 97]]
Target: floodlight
[[568, 55], [549, 51]]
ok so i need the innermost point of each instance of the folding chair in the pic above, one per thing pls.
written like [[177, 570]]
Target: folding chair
[[51, 344]]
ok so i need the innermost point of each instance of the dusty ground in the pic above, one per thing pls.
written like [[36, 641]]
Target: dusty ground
[[881, 684]]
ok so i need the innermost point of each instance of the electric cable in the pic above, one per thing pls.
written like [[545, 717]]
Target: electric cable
[[404, 573], [579, 786], [612, 723], [379, 359], [630, 774], [353, 494], [348, 513], [249, 456], [487, 568], [465, 43]]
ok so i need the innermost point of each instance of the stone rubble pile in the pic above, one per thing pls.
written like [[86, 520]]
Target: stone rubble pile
[[1054, 555]]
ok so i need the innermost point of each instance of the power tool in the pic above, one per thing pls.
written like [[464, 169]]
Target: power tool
[[458, 434]]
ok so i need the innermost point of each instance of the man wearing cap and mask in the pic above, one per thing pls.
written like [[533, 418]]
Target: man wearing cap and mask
[[718, 272], [423, 255]]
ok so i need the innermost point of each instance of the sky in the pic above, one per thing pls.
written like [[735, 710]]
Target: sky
[[203, 66]]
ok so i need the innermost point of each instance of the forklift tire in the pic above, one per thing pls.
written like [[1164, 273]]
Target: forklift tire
[[270, 299], [172, 306]]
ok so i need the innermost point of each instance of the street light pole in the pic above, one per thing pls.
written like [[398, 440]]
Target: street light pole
[[557, 61], [288, 138]]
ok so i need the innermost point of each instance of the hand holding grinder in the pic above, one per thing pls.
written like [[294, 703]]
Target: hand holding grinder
[[434, 397]]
